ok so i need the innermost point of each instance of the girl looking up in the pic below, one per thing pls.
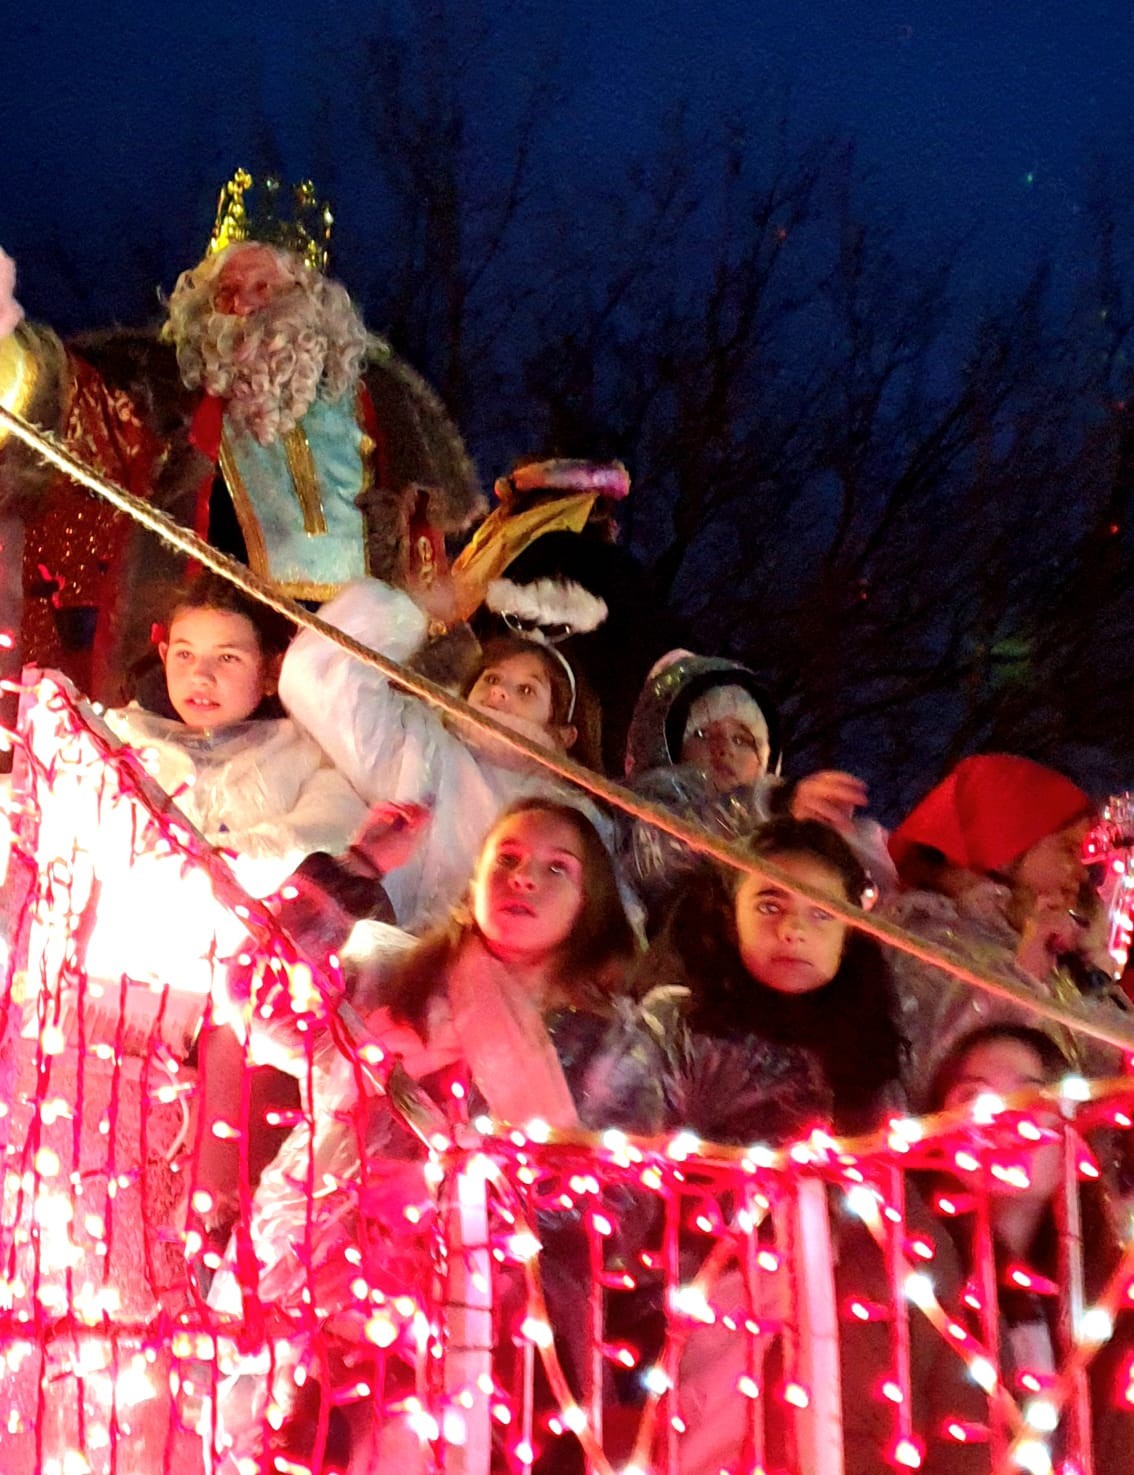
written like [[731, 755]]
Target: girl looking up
[[510, 1001]]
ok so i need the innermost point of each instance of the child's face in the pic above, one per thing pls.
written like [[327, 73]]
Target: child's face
[[516, 691], [528, 887], [786, 943], [215, 670], [1054, 867], [1003, 1068], [728, 752]]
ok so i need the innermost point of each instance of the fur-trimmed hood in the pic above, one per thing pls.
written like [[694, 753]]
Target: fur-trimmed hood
[[662, 709]]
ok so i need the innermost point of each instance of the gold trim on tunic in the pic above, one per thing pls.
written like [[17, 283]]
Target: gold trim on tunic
[[305, 479], [245, 514], [320, 592]]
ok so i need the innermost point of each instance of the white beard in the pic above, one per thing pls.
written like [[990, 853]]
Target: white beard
[[266, 367]]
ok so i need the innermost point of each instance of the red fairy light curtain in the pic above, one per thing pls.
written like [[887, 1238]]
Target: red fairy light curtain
[[477, 1297], [119, 920]]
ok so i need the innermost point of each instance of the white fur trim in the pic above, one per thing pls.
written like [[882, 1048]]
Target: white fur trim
[[547, 602]]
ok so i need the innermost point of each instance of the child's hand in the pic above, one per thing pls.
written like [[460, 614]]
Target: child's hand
[[11, 313], [831, 797], [1050, 929], [438, 598], [390, 835]]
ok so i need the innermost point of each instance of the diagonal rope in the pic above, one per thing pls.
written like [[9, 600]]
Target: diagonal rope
[[49, 449]]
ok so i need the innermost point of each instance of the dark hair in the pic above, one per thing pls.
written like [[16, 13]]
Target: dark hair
[[586, 718], [816, 841], [1053, 1061], [589, 968], [502, 647], [207, 590], [850, 1024]]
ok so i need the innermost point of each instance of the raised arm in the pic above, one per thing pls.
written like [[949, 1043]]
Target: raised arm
[[384, 742]]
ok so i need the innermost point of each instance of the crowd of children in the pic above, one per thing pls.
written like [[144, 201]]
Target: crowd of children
[[561, 961], [506, 944]]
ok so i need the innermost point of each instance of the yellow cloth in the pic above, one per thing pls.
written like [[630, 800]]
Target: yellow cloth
[[504, 535]]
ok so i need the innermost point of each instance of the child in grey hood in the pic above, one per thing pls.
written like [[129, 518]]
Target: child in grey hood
[[705, 742]]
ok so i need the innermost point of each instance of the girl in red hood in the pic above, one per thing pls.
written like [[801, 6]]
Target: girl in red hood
[[992, 862]]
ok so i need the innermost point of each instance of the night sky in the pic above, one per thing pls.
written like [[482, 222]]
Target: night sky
[[972, 118]]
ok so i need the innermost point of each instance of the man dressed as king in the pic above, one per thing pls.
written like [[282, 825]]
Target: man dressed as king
[[262, 416]]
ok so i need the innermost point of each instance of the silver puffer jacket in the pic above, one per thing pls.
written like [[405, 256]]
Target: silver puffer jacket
[[654, 863], [657, 865]]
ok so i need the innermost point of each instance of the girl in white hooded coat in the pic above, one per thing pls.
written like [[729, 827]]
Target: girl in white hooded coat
[[394, 747]]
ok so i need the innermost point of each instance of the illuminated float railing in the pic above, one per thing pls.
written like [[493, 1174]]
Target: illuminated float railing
[[119, 926], [684, 1313], [742, 1247]]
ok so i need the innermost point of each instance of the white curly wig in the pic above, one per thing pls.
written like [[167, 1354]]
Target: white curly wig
[[307, 341]]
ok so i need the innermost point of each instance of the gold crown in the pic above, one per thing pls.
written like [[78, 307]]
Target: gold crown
[[307, 231]]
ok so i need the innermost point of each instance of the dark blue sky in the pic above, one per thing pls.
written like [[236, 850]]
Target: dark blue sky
[[971, 117]]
